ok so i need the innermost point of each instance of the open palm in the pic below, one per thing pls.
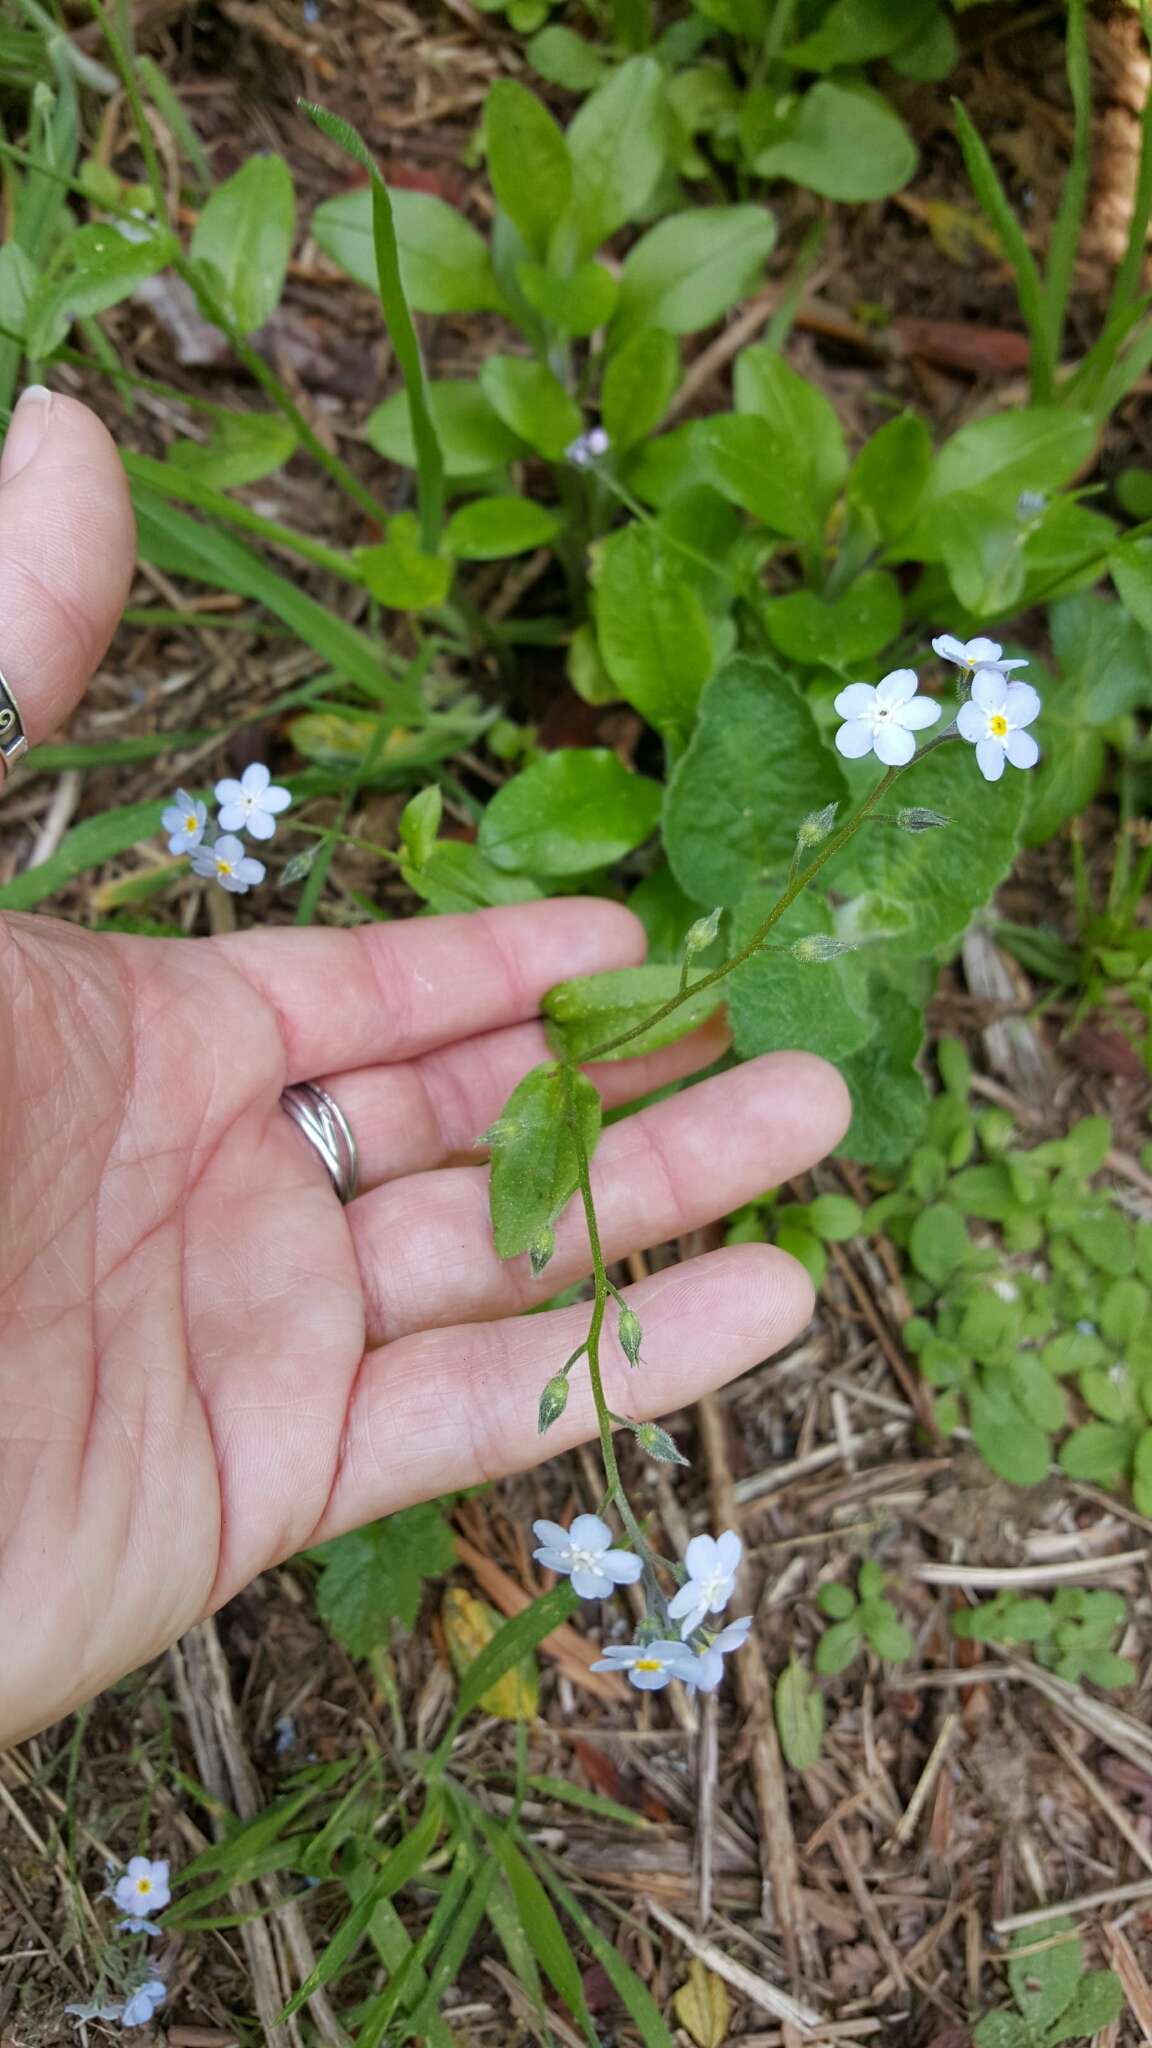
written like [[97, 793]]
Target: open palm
[[205, 1362]]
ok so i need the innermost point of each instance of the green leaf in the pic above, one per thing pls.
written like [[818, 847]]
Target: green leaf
[[444, 263], [922, 888], [420, 822], [836, 1601], [92, 269], [98, 839], [1002, 2030], [799, 1711], [561, 57], [885, 1631], [1097, 2003], [838, 1646], [455, 876], [532, 403], [1037, 448], [1012, 1445], [770, 388], [850, 629], [508, 1646], [889, 1094], [240, 449], [763, 471], [652, 629], [843, 141], [400, 573], [778, 1002], [755, 766], [1103, 654], [1103, 1233], [888, 477], [577, 304], [488, 529], [1044, 1982], [596, 1008], [538, 1918], [835, 1218], [535, 1165], [617, 144], [374, 1576], [1142, 1473], [632, 1992], [930, 53], [1098, 1453], [856, 31], [18, 276], [400, 1868], [691, 267], [939, 1243], [1039, 1394], [638, 383], [572, 811], [243, 240], [528, 161], [473, 438]]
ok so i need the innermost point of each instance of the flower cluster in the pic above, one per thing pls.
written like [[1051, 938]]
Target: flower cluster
[[250, 805], [142, 1890], [588, 448], [881, 718], [584, 1553]]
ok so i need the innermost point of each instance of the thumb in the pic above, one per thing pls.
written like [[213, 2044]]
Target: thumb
[[67, 547]]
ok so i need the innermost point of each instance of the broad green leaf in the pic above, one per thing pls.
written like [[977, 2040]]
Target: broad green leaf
[[1044, 1982], [691, 267], [473, 437], [885, 1631], [420, 822], [488, 529], [1097, 2003], [843, 141], [577, 304], [93, 268], [1002, 2030], [240, 449], [243, 240], [443, 261], [597, 1009], [456, 876], [572, 811], [532, 403], [779, 1003], [561, 57], [528, 161], [799, 1710], [889, 1094], [768, 387], [1067, 775], [888, 477], [762, 470], [856, 31], [630, 1989], [835, 1218], [939, 1243], [1104, 656], [638, 383], [922, 888], [838, 1646], [1016, 1448], [374, 1576], [755, 767], [652, 629], [469, 1625], [18, 275], [535, 1163], [1035, 449], [617, 143], [400, 574], [850, 629], [931, 51], [1039, 1394]]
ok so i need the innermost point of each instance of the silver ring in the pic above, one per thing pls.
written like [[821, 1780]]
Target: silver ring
[[13, 738], [327, 1130]]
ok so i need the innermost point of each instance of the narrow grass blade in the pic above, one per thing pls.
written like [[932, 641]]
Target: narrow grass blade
[[1065, 238], [993, 199], [507, 1647], [167, 480], [538, 1919], [629, 1988]]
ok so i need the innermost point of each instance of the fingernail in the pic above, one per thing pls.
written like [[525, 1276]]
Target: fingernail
[[26, 431]]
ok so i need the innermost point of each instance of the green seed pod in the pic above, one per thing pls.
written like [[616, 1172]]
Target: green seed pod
[[658, 1444], [631, 1335], [553, 1402]]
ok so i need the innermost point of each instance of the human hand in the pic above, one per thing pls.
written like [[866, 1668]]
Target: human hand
[[205, 1362]]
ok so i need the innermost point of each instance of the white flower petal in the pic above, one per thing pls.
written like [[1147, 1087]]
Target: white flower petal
[[686, 1601], [898, 687], [553, 1560], [734, 1636], [255, 779], [261, 826], [989, 689], [622, 1566], [981, 653], [589, 1583], [249, 873], [729, 1551], [708, 1673], [856, 700], [650, 1681], [894, 745], [1021, 704], [971, 722], [854, 740], [588, 1532], [1021, 749], [232, 818], [229, 791], [552, 1533], [921, 712], [949, 648], [990, 758], [276, 799]]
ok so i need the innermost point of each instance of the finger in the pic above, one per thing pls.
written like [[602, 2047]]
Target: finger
[[419, 1114], [455, 1407], [425, 1244], [67, 543], [396, 991]]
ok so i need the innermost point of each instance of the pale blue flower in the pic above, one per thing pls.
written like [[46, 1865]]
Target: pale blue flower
[[713, 1562], [650, 1666], [881, 718], [709, 1668], [252, 804], [141, 2007], [974, 654], [587, 447], [144, 1887], [993, 720], [584, 1554], [184, 821], [228, 864]]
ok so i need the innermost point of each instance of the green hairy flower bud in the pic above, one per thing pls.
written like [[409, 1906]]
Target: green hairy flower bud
[[817, 825], [540, 1250], [920, 820], [553, 1402], [630, 1334], [819, 946], [658, 1444], [703, 932]]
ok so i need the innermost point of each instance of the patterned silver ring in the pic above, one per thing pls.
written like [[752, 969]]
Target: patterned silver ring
[[327, 1130], [13, 738]]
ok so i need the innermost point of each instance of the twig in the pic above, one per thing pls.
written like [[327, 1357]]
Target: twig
[[748, 1982], [906, 1826], [1127, 1968], [1102, 1797], [1114, 1895], [991, 1578]]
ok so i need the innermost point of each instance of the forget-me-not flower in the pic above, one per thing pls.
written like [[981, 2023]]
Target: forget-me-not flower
[[650, 1666], [228, 864], [973, 654], [184, 821], [252, 804], [141, 2007], [584, 1554], [713, 1562], [993, 720], [881, 718], [144, 1887], [709, 1668]]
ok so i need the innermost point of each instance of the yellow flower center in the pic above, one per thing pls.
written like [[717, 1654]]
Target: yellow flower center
[[998, 724], [143, 1886], [224, 867], [190, 822], [649, 1664]]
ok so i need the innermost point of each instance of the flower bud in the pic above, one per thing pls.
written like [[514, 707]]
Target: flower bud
[[541, 1249], [630, 1335], [553, 1402], [819, 946], [817, 825], [703, 932], [657, 1443], [919, 819]]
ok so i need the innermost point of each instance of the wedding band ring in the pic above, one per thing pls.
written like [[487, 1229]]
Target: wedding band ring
[[327, 1130], [13, 738]]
